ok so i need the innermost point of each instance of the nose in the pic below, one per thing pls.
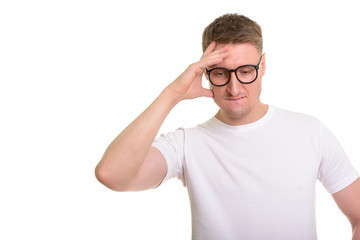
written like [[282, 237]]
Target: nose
[[234, 87]]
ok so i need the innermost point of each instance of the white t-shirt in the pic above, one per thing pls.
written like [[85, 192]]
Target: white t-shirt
[[256, 181]]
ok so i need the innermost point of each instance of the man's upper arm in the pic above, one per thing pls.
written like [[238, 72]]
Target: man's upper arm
[[151, 173], [348, 201]]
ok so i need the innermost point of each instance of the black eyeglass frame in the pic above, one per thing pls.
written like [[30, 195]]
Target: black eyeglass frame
[[235, 70]]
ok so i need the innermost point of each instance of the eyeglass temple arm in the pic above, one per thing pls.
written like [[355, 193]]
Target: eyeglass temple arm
[[260, 60]]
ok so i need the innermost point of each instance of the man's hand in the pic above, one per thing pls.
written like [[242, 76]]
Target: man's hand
[[188, 84]]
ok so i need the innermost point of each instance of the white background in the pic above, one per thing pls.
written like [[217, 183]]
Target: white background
[[75, 73]]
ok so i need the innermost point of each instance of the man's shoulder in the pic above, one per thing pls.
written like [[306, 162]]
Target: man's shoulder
[[289, 115]]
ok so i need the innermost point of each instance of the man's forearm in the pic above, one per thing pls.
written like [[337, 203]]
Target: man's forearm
[[126, 153]]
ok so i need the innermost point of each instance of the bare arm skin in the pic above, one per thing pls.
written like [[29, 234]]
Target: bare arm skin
[[130, 163], [348, 201]]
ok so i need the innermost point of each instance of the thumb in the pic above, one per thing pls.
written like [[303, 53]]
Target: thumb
[[207, 93]]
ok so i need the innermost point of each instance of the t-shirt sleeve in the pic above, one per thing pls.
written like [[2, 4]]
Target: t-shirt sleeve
[[171, 145], [336, 171]]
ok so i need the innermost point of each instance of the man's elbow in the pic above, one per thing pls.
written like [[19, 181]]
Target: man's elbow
[[105, 177]]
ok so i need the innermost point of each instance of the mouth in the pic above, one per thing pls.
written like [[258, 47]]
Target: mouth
[[233, 99]]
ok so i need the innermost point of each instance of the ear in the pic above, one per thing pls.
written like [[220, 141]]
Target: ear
[[263, 64]]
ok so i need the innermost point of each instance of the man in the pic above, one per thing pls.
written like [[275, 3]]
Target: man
[[251, 169]]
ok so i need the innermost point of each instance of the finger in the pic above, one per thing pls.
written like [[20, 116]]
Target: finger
[[215, 53], [207, 93], [210, 48], [221, 50], [213, 60]]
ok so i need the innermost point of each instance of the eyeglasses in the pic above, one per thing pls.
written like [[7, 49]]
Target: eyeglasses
[[246, 74]]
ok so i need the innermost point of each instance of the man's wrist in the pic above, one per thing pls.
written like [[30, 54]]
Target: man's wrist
[[171, 95]]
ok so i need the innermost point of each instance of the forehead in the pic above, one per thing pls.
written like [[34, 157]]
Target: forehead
[[239, 54]]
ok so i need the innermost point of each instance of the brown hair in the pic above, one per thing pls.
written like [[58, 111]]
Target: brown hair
[[233, 28]]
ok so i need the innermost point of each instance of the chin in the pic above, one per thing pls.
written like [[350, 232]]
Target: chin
[[238, 113]]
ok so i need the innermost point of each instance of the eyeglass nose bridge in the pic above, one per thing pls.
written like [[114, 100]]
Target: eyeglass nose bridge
[[232, 71], [237, 80]]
